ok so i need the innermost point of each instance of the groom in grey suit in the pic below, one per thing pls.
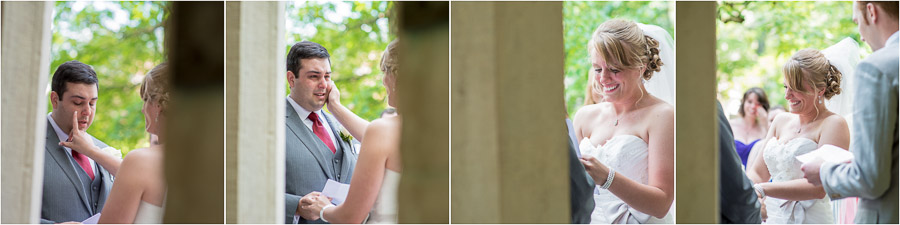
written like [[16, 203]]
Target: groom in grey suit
[[314, 150], [75, 187], [872, 175]]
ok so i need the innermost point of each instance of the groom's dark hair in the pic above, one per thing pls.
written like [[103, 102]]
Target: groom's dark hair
[[305, 50], [75, 72]]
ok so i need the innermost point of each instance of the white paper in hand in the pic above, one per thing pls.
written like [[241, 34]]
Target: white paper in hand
[[336, 191], [92, 220], [828, 153]]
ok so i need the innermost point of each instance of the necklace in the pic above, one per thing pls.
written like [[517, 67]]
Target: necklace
[[802, 126]]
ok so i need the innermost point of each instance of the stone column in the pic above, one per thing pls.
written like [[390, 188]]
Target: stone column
[[509, 158], [696, 138], [26, 67], [423, 85], [195, 161], [255, 112]]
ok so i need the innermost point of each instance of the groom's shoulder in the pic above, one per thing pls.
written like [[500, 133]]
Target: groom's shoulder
[[886, 58], [98, 142]]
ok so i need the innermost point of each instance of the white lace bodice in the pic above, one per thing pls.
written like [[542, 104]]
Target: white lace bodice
[[780, 158], [783, 165], [627, 155]]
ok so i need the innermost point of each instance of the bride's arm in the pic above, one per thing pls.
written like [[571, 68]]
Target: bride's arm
[[368, 175], [125, 197], [656, 197], [578, 122], [834, 132], [355, 125], [795, 190], [758, 171]]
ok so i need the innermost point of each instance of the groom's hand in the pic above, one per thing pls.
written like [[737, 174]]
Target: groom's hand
[[811, 171], [79, 140]]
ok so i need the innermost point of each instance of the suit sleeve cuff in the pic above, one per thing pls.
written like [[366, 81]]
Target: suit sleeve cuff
[[824, 173]]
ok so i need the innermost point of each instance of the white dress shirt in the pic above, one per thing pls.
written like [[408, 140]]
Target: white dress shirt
[[63, 136], [304, 114]]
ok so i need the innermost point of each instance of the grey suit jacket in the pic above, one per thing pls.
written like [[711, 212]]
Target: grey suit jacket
[[581, 184], [310, 163], [872, 176], [737, 199], [64, 196]]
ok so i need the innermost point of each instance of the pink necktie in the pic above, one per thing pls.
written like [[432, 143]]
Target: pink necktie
[[320, 131]]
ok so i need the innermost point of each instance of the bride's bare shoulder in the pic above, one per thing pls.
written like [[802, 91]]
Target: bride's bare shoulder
[[662, 109], [835, 121], [384, 134], [384, 124], [590, 111], [143, 157]]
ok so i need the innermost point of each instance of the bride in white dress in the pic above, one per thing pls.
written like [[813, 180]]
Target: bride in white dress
[[138, 192], [810, 79], [628, 140], [373, 188]]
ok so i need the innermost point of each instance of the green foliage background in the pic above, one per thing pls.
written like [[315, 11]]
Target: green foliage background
[[580, 19], [755, 39], [120, 56], [355, 34]]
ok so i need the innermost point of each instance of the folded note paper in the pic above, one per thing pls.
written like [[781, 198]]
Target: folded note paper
[[336, 191], [829, 153], [92, 220]]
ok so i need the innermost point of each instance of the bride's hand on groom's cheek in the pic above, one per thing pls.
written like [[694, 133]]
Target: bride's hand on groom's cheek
[[334, 94], [79, 140]]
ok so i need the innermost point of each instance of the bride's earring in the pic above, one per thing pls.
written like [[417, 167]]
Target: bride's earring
[[820, 100]]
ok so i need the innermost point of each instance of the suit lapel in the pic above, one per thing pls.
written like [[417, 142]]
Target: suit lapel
[[343, 146], [107, 185], [307, 138], [62, 159]]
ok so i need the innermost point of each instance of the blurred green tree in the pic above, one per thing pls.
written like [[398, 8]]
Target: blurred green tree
[[755, 39], [355, 34], [121, 41], [581, 18]]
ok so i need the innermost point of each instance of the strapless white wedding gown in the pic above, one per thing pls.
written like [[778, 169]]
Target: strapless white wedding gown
[[627, 155], [148, 213], [783, 166], [385, 208]]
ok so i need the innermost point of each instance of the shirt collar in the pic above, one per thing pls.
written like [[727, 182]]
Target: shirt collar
[[302, 112], [892, 39], [63, 136]]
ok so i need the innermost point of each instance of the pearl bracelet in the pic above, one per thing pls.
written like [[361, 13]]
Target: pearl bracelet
[[322, 212], [609, 179]]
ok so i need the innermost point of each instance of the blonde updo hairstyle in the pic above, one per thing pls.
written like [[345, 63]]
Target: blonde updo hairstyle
[[389, 59], [622, 44], [810, 66], [155, 87]]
